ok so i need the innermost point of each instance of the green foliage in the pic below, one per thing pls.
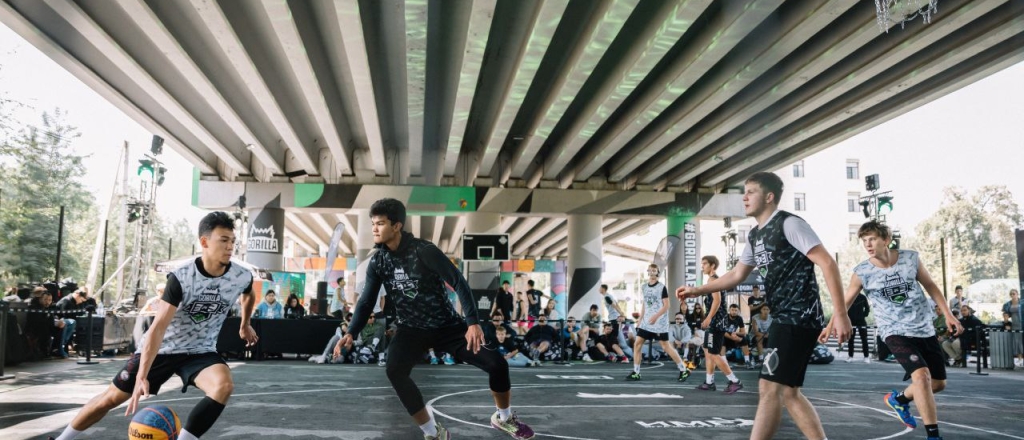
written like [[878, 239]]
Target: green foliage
[[979, 235]]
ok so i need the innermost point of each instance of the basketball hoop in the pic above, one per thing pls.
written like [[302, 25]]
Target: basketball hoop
[[892, 12]]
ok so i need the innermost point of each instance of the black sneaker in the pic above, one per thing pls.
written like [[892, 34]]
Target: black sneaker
[[706, 386], [633, 376], [683, 375]]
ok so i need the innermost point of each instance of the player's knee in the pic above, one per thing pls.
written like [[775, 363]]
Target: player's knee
[[396, 372], [222, 390], [938, 385]]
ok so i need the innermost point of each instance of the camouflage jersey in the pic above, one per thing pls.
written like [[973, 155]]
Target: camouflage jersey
[[792, 290], [203, 302], [414, 276], [900, 305]]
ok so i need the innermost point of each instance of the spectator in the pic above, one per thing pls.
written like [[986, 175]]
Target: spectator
[[269, 308], [1012, 312], [369, 341], [626, 335], [497, 321], [533, 296], [43, 327], [521, 315], [736, 335], [78, 300], [294, 308], [759, 326], [858, 318], [679, 334], [506, 346], [958, 301], [966, 341], [591, 326], [755, 301], [569, 337], [540, 337], [550, 312], [503, 301], [339, 307], [327, 355], [939, 322], [694, 319], [612, 309], [608, 345]]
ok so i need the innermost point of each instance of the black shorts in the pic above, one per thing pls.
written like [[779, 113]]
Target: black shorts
[[714, 340], [186, 366], [788, 349], [916, 353], [651, 336], [730, 344]]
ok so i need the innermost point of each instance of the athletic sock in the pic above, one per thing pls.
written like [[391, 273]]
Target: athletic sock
[[203, 416], [681, 366], [732, 378], [504, 414], [686, 353], [902, 399], [636, 368], [429, 428], [710, 378], [746, 358], [69, 433], [185, 435], [932, 430]]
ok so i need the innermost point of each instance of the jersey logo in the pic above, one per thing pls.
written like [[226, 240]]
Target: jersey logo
[[402, 283], [762, 257], [206, 306], [896, 288]]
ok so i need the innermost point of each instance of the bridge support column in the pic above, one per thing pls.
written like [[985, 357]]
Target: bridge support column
[[585, 263]]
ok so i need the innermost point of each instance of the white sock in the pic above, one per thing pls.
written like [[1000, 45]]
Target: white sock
[[686, 352], [710, 378], [636, 368], [732, 378], [746, 358], [430, 428], [69, 433], [185, 435], [504, 414], [681, 366]]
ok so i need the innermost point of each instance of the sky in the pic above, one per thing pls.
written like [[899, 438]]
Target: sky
[[970, 138]]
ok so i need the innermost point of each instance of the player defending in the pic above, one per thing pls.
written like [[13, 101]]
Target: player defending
[[183, 337], [785, 250], [413, 272], [892, 280], [653, 324]]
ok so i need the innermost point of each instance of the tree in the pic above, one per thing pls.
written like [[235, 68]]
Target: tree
[[979, 235], [39, 173]]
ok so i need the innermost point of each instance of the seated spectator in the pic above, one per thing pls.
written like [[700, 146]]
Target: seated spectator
[[736, 334], [550, 312], [328, 354], [497, 321], [369, 341], [294, 308], [591, 326], [679, 335], [269, 308], [43, 326], [540, 337], [626, 335], [78, 300], [608, 347], [568, 337], [508, 348], [759, 326], [967, 340]]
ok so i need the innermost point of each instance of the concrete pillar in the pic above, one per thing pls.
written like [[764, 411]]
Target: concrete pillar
[[584, 273], [265, 238], [684, 260], [483, 275], [364, 242]]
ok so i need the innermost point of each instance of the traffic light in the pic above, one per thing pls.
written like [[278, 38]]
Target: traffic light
[[884, 204], [145, 167], [895, 243], [872, 183]]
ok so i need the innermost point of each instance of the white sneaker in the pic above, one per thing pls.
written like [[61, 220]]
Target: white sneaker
[[849, 359], [586, 358], [867, 360], [319, 359]]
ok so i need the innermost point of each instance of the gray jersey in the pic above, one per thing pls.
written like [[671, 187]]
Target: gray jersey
[[653, 296], [609, 306], [203, 302], [899, 304]]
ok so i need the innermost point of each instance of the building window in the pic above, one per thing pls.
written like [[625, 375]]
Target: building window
[[741, 233], [852, 202], [852, 169], [853, 232], [799, 202], [798, 169]]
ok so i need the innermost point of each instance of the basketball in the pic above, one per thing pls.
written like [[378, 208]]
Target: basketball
[[156, 422]]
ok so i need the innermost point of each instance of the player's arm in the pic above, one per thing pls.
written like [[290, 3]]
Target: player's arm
[[367, 298], [929, 285], [731, 279], [151, 345], [840, 317], [245, 330]]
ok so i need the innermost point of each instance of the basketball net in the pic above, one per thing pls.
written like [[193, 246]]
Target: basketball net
[[893, 12]]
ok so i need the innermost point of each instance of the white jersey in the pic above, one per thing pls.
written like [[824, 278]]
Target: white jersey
[[653, 297], [203, 302], [900, 305]]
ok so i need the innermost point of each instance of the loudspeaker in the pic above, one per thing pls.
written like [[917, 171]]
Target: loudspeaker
[[321, 299]]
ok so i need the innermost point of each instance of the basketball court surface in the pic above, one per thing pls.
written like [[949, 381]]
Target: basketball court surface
[[294, 399]]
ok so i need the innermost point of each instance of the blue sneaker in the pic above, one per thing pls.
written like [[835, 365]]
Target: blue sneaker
[[903, 411], [448, 359]]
